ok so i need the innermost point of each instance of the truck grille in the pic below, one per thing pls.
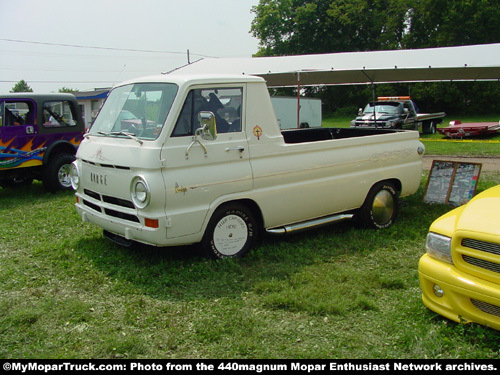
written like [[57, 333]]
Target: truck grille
[[479, 258], [495, 267], [118, 202], [486, 307], [489, 247], [485, 247]]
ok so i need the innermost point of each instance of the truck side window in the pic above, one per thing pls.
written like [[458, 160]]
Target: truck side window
[[224, 103], [14, 113], [58, 114]]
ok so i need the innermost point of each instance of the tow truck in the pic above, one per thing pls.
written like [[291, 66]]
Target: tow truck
[[396, 112]]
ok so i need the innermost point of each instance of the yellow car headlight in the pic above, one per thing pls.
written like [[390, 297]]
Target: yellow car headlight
[[439, 247]]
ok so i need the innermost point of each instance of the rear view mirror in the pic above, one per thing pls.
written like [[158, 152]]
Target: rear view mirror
[[208, 125]]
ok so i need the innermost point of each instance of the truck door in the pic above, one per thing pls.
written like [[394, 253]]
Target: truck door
[[200, 173], [17, 130]]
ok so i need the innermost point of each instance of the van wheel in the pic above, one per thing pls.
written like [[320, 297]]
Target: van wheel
[[380, 208], [57, 173], [231, 232]]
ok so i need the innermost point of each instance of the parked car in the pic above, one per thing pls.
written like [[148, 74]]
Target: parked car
[[460, 273], [39, 135]]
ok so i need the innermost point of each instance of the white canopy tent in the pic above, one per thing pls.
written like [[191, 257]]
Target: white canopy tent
[[465, 63]]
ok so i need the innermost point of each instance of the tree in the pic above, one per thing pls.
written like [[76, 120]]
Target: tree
[[21, 86], [291, 27], [67, 90], [440, 23]]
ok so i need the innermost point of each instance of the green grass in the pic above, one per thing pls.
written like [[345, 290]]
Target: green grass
[[335, 292]]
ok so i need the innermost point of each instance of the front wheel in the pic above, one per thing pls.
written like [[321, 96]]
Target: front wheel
[[57, 173], [380, 208], [231, 232]]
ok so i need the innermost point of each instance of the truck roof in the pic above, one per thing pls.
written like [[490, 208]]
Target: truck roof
[[179, 79], [30, 95]]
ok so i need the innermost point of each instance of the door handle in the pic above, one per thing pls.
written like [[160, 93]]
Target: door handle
[[237, 148]]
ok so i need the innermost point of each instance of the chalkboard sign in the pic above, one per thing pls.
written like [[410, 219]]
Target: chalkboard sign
[[452, 182]]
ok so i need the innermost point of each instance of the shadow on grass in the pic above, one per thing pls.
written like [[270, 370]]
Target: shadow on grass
[[28, 194], [182, 273]]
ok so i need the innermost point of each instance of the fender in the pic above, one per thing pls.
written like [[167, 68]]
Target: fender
[[59, 146]]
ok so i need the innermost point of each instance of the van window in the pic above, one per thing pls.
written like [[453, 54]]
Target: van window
[[224, 103]]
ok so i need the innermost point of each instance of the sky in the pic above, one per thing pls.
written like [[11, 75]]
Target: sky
[[89, 44]]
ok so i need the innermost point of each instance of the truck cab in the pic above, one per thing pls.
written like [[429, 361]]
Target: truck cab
[[39, 136]]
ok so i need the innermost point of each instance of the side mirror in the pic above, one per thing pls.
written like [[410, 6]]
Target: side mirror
[[208, 130]]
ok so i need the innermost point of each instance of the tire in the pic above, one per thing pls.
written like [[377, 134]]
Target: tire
[[429, 127], [57, 173], [380, 207], [231, 232]]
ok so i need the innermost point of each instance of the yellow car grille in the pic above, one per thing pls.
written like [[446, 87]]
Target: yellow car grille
[[486, 307], [479, 258]]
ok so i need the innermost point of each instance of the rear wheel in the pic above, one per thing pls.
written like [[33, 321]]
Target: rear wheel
[[231, 232], [57, 173], [380, 208], [429, 127]]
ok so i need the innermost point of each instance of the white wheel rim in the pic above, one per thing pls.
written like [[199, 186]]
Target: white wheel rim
[[64, 175], [230, 235]]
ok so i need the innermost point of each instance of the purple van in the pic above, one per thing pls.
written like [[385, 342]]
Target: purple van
[[39, 136]]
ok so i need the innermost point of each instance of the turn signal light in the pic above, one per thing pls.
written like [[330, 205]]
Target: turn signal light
[[151, 223]]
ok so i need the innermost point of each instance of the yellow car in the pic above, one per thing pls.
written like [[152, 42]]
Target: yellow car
[[460, 273]]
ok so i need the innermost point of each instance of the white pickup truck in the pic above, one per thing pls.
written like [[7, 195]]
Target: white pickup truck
[[175, 160]]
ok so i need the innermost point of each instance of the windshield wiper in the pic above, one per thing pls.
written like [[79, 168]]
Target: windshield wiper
[[126, 134]]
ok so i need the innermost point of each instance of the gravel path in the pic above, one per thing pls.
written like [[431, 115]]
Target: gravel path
[[491, 164]]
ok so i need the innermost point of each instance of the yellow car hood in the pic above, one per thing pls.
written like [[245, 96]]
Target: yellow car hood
[[482, 213]]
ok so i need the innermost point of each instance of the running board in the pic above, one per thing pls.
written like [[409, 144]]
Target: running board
[[305, 225]]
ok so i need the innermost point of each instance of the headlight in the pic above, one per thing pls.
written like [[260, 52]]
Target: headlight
[[140, 192], [75, 176], [439, 247]]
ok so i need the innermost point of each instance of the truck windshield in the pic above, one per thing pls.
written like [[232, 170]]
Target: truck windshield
[[381, 108], [135, 111]]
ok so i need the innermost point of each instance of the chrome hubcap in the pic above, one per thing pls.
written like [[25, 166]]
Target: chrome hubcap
[[383, 207]]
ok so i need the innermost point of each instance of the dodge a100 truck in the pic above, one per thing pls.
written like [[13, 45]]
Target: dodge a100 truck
[[460, 273], [203, 160]]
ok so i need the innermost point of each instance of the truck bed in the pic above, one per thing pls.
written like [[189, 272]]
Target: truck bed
[[324, 134], [430, 116]]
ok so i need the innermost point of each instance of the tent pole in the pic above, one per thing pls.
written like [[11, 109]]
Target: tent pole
[[298, 100]]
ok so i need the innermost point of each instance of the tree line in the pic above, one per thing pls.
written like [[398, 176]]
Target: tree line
[[294, 27], [23, 86]]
